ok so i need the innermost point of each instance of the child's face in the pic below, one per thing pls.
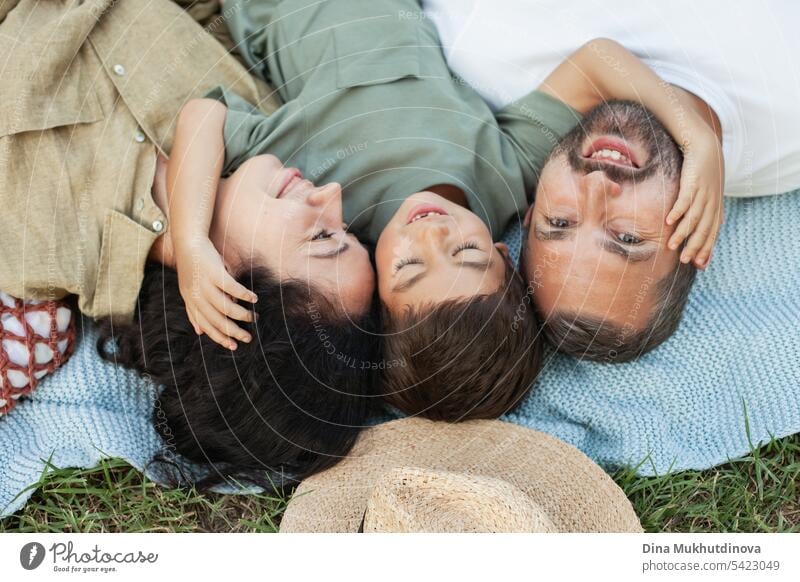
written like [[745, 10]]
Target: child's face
[[433, 250]]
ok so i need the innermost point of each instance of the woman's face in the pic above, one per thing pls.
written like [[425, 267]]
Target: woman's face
[[270, 213]]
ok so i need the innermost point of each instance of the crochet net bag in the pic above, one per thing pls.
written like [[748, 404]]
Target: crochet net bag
[[37, 337]]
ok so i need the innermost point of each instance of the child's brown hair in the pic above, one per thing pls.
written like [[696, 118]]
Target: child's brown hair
[[458, 359]]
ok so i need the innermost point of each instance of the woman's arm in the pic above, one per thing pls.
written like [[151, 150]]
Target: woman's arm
[[603, 70], [193, 174]]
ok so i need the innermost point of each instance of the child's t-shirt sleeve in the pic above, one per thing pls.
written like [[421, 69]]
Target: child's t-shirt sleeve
[[535, 123], [248, 131]]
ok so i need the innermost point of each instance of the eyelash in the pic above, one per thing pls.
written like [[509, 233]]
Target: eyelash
[[403, 262], [621, 234], [465, 246], [323, 234], [551, 220]]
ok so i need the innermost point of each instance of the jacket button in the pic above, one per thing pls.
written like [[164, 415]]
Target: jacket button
[[140, 203], [139, 137], [158, 226], [119, 69]]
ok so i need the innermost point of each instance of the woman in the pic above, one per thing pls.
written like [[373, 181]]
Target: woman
[[292, 401], [85, 205]]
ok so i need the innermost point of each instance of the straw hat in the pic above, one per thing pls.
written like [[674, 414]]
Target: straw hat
[[416, 475]]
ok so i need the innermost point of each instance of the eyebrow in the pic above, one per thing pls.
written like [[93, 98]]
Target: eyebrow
[[632, 256], [333, 253], [636, 256], [408, 284], [552, 234]]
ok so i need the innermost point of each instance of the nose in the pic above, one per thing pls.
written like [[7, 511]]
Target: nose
[[327, 195], [327, 201], [598, 184], [434, 233]]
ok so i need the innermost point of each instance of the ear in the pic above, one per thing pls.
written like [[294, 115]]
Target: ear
[[503, 250], [526, 222]]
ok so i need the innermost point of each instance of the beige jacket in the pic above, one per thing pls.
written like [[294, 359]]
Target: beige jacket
[[88, 88]]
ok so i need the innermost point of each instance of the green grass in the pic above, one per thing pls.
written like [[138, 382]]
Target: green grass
[[757, 493]]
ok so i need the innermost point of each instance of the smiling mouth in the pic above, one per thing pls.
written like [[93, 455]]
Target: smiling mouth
[[293, 176], [611, 150], [423, 211]]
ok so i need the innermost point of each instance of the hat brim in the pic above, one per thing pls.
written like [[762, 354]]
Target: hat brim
[[576, 494]]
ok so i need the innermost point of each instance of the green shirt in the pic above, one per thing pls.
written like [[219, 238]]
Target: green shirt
[[369, 102]]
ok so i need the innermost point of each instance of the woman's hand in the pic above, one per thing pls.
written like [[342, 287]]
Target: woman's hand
[[699, 205], [209, 291]]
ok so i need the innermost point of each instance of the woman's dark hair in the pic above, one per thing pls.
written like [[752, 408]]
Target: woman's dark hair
[[286, 405]]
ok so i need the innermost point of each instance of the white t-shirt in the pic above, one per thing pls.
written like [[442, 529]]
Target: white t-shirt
[[741, 57]]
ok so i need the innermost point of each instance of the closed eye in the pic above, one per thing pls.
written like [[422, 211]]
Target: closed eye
[[404, 262], [322, 235], [464, 246]]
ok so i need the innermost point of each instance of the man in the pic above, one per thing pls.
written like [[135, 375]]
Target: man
[[737, 63]]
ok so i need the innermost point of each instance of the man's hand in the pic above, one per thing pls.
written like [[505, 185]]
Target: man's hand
[[210, 293], [699, 206]]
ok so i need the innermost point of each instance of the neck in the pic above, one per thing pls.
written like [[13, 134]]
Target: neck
[[223, 207]]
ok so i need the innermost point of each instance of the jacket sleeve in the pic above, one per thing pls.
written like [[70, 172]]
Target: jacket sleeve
[[6, 6]]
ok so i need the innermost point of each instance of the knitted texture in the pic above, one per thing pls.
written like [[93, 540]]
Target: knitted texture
[[36, 337], [733, 363], [681, 406]]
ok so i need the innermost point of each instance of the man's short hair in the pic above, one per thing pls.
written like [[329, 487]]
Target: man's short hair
[[595, 339], [459, 359]]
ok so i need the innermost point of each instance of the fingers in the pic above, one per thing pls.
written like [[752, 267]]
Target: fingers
[[682, 204], [225, 325], [687, 194], [212, 313], [700, 236], [687, 224], [703, 258], [192, 319], [228, 307], [235, 289], [214, 333]]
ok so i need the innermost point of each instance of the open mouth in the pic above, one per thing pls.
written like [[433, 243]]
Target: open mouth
[[423, 211], [611, 150], [292, 177]]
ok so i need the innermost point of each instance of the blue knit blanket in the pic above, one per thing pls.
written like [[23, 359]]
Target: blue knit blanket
[[728, 378]]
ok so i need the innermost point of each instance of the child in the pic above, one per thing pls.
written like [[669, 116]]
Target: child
[[428, 173]]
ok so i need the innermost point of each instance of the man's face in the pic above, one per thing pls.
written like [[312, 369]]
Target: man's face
[[597, 239], [433, 250]]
